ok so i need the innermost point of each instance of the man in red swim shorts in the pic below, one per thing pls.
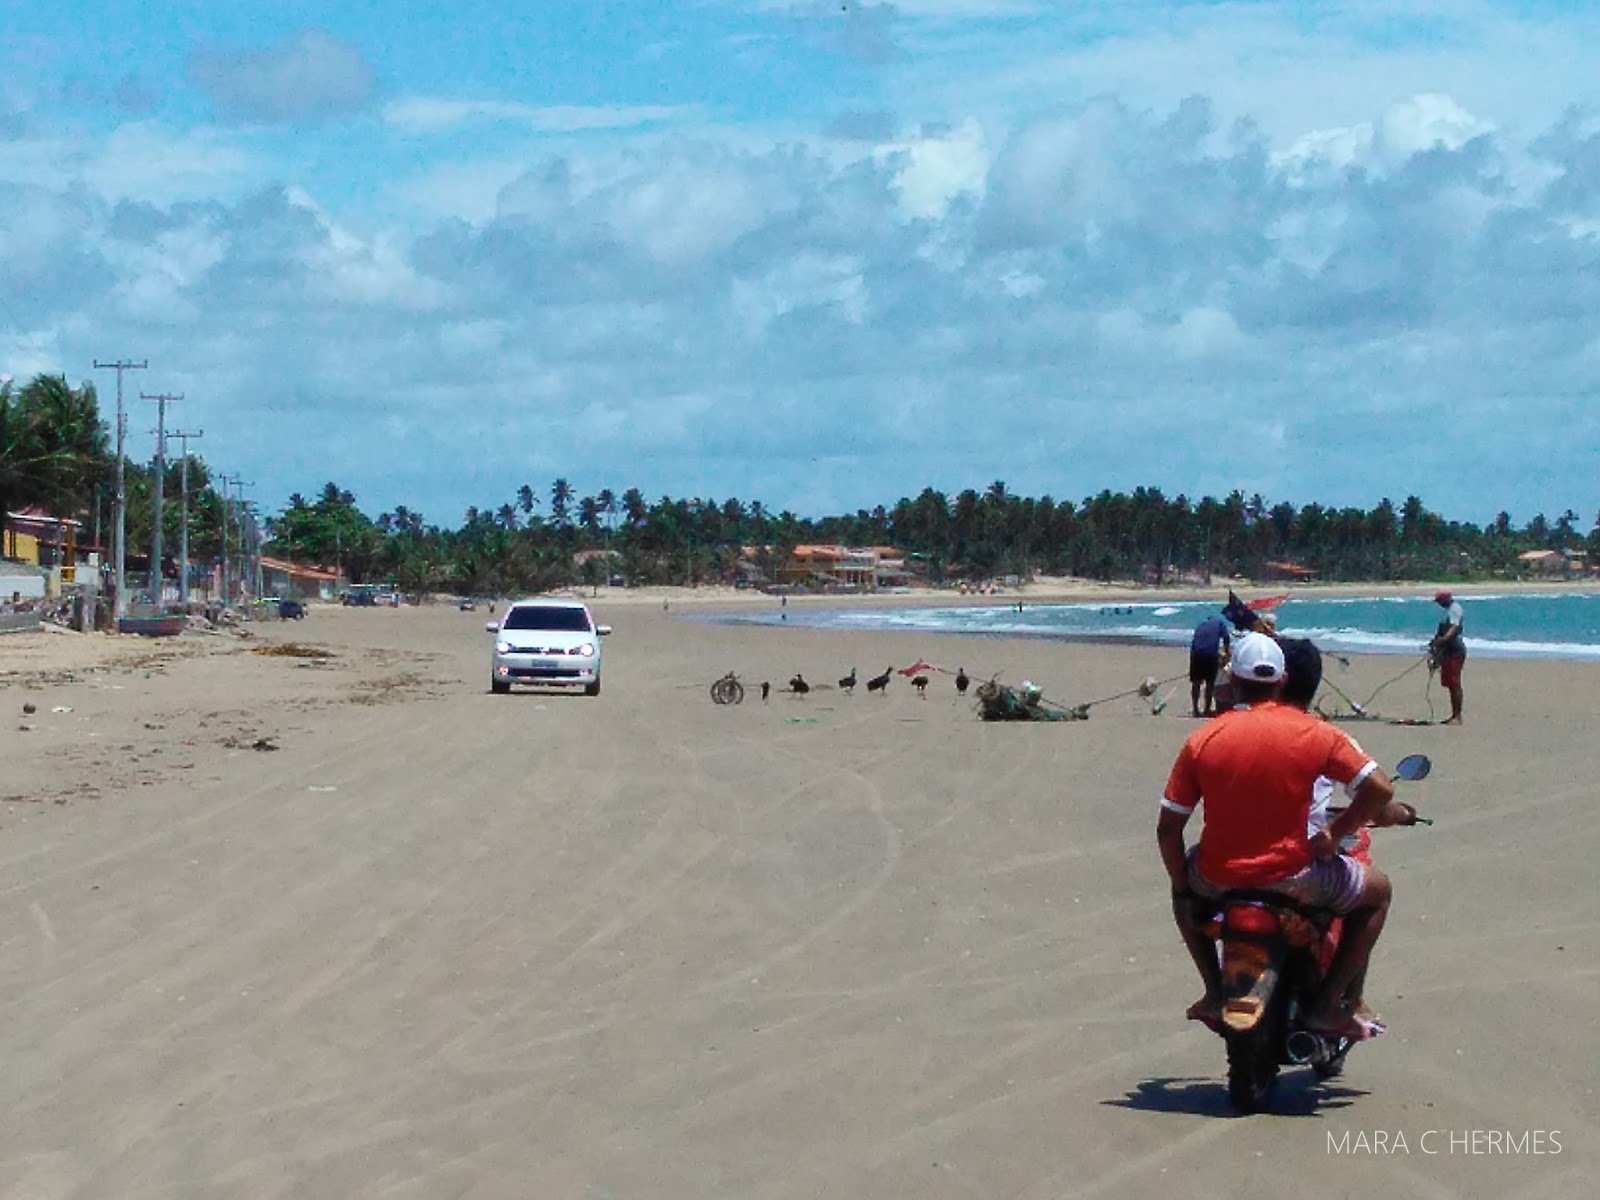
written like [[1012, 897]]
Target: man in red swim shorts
[[1448, 652]]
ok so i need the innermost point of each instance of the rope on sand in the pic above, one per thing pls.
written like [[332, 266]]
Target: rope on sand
[[1147, 688]]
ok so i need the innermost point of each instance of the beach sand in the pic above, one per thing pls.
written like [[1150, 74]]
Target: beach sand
[[442, 943]]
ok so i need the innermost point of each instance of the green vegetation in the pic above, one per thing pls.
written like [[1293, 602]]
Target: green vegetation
[[54, 453]]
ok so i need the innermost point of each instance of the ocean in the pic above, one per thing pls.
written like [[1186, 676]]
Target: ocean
[[1552, 625]]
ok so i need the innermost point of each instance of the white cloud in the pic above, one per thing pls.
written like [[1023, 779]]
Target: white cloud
[[937, 169]]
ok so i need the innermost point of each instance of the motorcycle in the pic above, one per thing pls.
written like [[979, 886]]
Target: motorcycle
[[1274, 955]]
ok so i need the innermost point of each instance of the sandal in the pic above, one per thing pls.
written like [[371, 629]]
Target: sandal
[[1207, 1014], [1352, 1028]]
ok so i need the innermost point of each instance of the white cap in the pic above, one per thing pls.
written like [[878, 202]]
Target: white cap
[[1256, 656]]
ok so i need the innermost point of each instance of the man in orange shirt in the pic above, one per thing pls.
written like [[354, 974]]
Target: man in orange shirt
[[1253, 768]]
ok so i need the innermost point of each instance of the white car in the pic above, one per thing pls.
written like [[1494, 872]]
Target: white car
[[546, 642]]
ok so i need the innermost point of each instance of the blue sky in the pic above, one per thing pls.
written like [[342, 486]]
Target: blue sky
[[819, 254]]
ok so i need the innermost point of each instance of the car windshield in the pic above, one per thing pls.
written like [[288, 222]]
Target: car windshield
[[574, 620]]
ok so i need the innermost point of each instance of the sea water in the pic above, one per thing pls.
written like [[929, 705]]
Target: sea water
[[1556, 625]]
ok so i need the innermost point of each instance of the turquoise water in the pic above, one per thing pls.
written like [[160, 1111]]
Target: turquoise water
[[1545, 625]]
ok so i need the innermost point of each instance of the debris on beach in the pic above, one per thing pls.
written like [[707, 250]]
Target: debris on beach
[[1000, 702], [29, 708], [292, 650]]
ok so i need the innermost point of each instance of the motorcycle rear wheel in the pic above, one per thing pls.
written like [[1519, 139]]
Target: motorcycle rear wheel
[[1332, 1067], [1252, 1070]]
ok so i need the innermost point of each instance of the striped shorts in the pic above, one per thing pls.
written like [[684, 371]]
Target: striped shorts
[[1333, 883]]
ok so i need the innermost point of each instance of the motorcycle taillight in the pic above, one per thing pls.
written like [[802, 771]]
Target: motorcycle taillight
[[1251, 918]]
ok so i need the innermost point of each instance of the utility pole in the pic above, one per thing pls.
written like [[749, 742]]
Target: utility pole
[[120, 527], [183, 528], [243, 507], [227, 520], [161, 478]]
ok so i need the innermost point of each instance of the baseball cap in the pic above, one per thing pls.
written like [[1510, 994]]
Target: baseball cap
[[1442, 597], [1256, 656]]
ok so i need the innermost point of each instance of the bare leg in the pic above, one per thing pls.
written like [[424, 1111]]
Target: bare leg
[[1341, 991], [1194, 699], [1456, 698], [1204, 953]]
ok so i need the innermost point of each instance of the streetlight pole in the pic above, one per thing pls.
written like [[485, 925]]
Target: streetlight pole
[[183, 528], [160, 488], [120, 528]]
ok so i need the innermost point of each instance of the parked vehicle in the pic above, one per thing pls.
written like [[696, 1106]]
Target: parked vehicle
[[291, 610], [547, 642]]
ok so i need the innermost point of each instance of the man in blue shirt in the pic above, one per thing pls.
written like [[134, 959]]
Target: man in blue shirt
[[1205, 660]]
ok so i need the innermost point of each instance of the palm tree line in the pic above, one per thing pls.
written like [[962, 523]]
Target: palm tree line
[[54, 452], [520, 546]]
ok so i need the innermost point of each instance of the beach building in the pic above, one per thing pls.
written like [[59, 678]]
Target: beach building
[[1553, 563], [835, 566], [36, 537], [1287, 572], [297, 581]]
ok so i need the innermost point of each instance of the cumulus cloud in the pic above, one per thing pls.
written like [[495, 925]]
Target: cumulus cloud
[[308, 79], [1054, 302]]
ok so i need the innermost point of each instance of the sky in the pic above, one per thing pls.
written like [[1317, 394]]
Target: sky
[[822, 255]]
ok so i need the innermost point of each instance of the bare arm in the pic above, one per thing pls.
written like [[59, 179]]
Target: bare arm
[[1169, 838], [1367, 806]]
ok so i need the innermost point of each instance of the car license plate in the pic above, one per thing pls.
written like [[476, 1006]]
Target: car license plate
[[542, 664]]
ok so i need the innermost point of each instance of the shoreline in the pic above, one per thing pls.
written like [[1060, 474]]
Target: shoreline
[[1053, 589]]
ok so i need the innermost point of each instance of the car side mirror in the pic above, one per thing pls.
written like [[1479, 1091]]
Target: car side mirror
[[602, 630], [492, 626]]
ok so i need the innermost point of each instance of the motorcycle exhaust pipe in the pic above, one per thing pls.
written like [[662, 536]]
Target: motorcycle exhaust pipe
[[1304, 1048]]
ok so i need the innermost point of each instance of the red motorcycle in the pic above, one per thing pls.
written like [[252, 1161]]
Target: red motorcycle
[[1274, 955]]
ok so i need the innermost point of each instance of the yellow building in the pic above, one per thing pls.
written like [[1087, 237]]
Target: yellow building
[[39, 539]]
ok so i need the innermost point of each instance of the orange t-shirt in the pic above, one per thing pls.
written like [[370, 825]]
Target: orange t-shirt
[[1253, 768]]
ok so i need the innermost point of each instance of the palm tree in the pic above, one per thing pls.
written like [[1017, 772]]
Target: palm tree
[[561, 502], [53, 445]]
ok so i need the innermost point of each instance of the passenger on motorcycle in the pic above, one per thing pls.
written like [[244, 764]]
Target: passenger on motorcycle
[[1254, 769], [1302, 676]]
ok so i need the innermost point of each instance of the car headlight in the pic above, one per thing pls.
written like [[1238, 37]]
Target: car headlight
[[502, 647], [584, 651]]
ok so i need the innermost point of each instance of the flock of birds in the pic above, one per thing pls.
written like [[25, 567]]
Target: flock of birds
[[878, 683]]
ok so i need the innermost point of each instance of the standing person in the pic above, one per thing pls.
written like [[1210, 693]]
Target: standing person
[[1253, 769], [1210, 640], [1448, 652]]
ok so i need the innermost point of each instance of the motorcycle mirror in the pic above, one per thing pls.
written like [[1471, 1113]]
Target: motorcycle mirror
[[1413, 767]]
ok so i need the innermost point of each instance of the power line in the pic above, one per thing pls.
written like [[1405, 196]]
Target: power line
[[120, 602]]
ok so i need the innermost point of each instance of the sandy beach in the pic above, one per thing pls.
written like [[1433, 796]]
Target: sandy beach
[[341, 923]]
